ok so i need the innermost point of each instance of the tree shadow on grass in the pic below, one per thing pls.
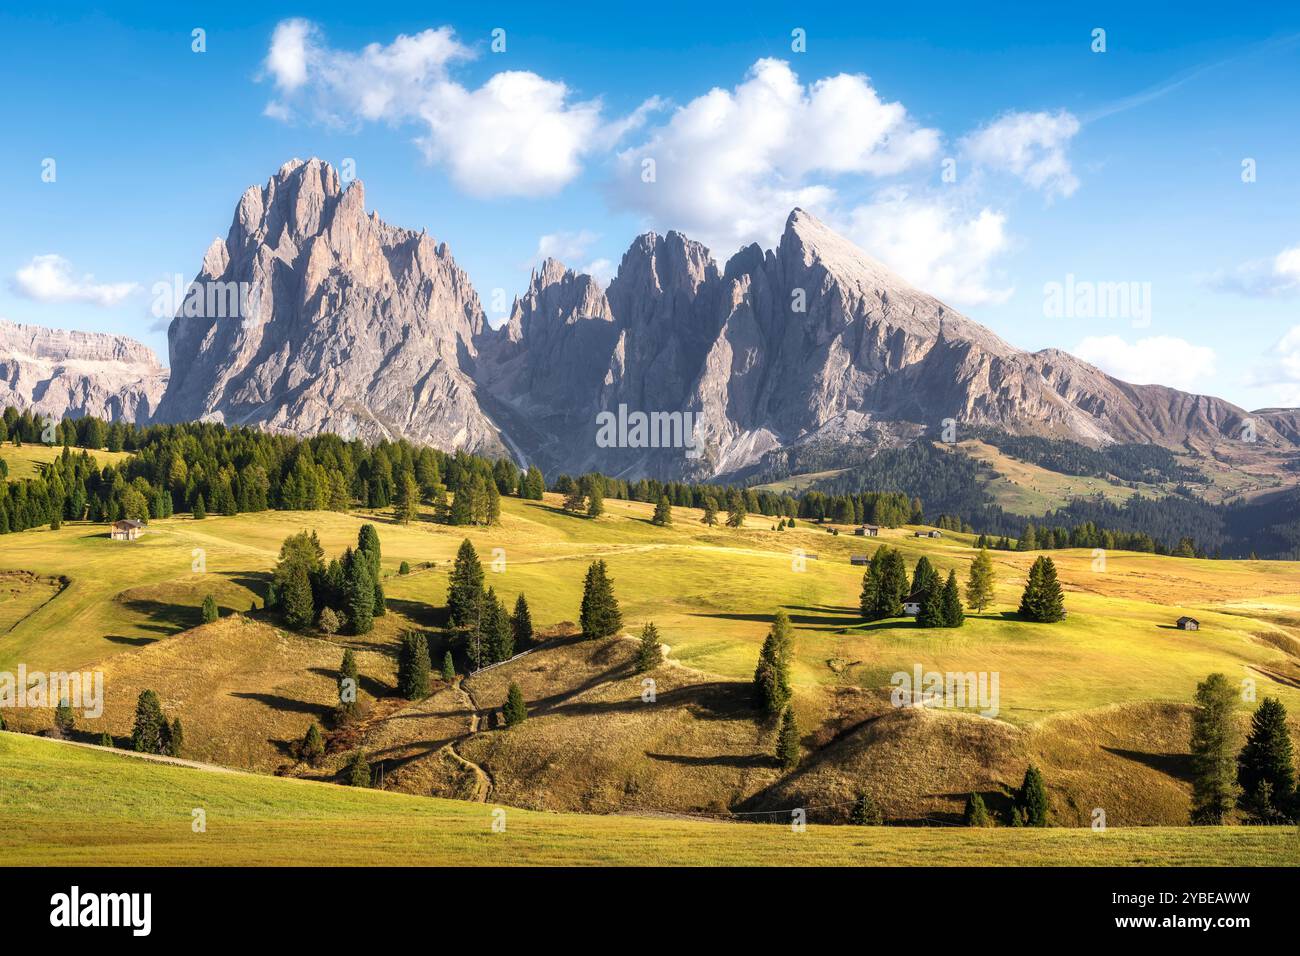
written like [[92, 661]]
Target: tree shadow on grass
[[739, 761], [284, 704], [371, 686], [1178, 766], [131, 641], [425, 615], [164, 617], [824, 619]]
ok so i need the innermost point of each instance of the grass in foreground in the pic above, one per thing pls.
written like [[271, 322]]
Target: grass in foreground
[[66, 805]]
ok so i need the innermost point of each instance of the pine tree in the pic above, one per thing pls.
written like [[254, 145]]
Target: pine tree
[[495, 635], [772, 675], [148, 732], [200, 510], [210, 612], [448, 668], [360, 594], [977, 815], [175, 738], [349, 688], [979, 586], [710, 511], [515, 710], [893, 585], [953, 615], [1214, 751], [1031, 799], [599, 615], [413, 666], [787, 741], [295, 599], [105, 739], [663, 515], [869, 599], [650, 652], [328, 622], [1265, 766], [358, 770], [380, 603], [735, 509], [521, 623], [313, 745], [465, 590], [865, 813], [1042, 600], [1029, 540], [407, 508], [595, 486], [64, 718]]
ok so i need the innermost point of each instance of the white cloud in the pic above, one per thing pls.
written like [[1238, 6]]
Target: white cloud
[[571, 248], [1281, 369], [1159, 359], [1030, 146], [1262, 279], [730, 164], [934, 246], [50, 278], [519, 134]]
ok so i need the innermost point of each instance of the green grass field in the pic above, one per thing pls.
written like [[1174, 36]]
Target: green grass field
[[25, 461], [126, 811]]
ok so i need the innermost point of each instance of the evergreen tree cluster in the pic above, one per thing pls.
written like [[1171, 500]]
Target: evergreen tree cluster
[[885, 586], [489, 633], [1043, 600], [304, 587], [152, 733]]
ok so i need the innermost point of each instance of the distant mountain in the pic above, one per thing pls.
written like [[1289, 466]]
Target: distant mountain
[[350, 325], [58, 373]]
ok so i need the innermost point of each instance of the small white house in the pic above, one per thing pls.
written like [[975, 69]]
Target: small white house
[[867, 531], [127, 530], [1188, 624], [912, 607]]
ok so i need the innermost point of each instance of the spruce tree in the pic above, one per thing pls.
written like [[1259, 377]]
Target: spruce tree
[[977, 815], [865, 813], [515, 710], [710, 511], [349, 687], [1214, 751], [358, 770], [380, 604], [869, 599], [521, 623], [772, 675], [360, 590], [200, 511], [407, 508], [150, 728], [953, 615], [175, 738], [599, 615], [465, 589], [787, 741], [448, 668], [893, 584], [650, 652], [64, 718], [663, 515], [735, 509], [595, 487], [1042, 600], [313, 745], [1265, 766], [496, 637], [1031, 799], [210, 612], [413, 666], [105, 739], [294, 598], [979, 586]]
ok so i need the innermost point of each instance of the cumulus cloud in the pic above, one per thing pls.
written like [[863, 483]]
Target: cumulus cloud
[[519, 134], [1030, 146], [1158, 359], [935, 246], [50, 278], [572, 248], [1265, 278], [1281, 369], [728, 166]]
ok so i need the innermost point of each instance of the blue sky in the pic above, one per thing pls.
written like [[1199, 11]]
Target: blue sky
[[1065, 165]]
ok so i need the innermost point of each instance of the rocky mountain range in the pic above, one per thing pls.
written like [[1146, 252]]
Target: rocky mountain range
[[54, 373], [347, 324]]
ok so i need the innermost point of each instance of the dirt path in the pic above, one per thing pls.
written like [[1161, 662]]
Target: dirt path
[[483, 788]]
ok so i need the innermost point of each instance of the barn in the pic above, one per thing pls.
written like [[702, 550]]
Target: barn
[[126, 530], [1188, 624]]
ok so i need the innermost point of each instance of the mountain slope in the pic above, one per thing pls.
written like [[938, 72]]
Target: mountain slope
[[354, 326], [372, 331], [57, 373]]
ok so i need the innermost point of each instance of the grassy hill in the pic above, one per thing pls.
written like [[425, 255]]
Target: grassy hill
[[25, 461], [1100, 701], [67, 804]]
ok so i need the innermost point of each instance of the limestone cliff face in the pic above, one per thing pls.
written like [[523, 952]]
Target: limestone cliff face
[[57, 373], [364, 329], [349, 325]]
